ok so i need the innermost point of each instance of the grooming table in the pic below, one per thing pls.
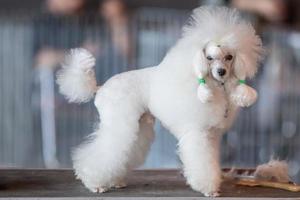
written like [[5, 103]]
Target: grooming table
[[142, 184]]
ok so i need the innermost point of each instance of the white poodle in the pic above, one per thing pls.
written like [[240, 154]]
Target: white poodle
[[195, 92]]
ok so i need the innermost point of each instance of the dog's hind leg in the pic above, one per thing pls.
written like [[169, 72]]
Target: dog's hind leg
[[141, 146], [144, 141], [103, 161]]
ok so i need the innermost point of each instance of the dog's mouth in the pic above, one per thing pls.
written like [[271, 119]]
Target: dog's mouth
[[218, 79]]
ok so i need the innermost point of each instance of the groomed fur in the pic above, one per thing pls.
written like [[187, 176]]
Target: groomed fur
[[274, 170], [168, 92], [226, 26], [76, 79]]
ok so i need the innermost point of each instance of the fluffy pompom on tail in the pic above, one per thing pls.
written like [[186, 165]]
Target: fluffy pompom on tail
[[76, 79]]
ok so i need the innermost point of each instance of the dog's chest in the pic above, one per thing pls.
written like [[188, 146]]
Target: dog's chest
[[176, 104], [223, 108]]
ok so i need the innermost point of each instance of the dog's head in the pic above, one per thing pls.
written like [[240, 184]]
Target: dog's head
[[224, 46], [227, 45], [218, 61]]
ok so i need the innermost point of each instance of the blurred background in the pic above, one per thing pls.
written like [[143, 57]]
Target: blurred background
[[38, 128]]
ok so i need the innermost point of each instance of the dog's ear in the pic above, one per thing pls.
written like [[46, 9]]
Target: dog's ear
[[201, 70], [247, 60], [200, 64], [244, 67]]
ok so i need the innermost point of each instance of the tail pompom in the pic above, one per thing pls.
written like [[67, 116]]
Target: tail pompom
[[76, 79]]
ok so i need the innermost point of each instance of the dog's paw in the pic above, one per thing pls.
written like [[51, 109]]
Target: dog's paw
[[207, 190], [212, 194], [101, 190], [208, 185], [204, 93]]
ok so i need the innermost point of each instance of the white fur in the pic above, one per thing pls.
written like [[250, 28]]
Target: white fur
[[244, 96], [204, 93], [76, 78], [169, 92], [274, 170]]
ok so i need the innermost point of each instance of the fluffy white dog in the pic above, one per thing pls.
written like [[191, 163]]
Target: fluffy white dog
[[195, 92]]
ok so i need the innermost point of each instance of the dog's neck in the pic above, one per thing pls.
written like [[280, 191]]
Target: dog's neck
[[224, 85]]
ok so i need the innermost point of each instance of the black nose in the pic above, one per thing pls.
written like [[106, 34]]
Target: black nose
[[221, 71]]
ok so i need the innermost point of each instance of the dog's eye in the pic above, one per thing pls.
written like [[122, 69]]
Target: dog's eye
[[228, 57], [209, 58]]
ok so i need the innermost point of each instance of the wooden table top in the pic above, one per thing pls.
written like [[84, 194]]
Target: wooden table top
[[142, 184]]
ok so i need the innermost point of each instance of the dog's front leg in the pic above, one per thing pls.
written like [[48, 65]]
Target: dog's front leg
[[199, 153]]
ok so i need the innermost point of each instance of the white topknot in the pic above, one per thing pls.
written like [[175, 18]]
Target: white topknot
[[216, 20]]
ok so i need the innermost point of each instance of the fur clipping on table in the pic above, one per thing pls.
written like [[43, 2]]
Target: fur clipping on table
[[273, 174], [274, 170]]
